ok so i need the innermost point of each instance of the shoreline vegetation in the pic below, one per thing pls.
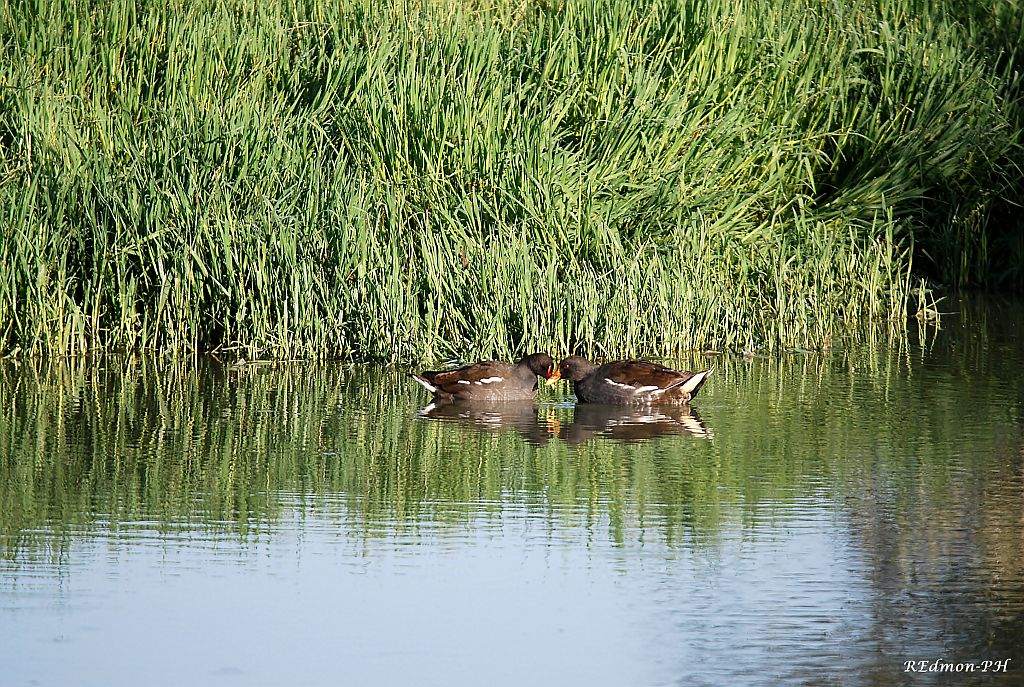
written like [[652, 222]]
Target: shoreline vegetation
[[132, 439], [421, 180]]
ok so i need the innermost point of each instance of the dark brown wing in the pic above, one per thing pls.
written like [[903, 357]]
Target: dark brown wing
[[637, 381], [641, 374], [452, 381]]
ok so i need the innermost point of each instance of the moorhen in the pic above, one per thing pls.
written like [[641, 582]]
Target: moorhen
[[490, 380], [630, 382]]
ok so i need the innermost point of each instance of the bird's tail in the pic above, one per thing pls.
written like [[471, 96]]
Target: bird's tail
[[694, 383], [425, 382]]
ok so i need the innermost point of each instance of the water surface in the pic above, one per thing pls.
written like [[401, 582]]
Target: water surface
[[817, 519]]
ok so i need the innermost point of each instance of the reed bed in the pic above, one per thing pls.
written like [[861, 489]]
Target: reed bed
[[427, 180]]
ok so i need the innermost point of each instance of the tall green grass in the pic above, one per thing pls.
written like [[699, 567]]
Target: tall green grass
[[406, 180]]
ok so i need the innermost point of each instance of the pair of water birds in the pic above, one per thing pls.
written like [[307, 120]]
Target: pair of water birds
[[621, 382]]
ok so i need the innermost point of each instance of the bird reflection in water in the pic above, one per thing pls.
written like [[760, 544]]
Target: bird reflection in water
[[495, 416], [628, 425], [621, 424]]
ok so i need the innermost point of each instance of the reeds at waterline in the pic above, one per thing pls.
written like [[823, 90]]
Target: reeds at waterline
[[400, 180]]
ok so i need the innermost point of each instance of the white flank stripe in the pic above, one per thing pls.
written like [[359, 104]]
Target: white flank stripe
[[488, 380], [647, 388], [463, 381], [620, 385]]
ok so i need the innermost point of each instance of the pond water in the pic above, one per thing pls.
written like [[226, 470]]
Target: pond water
[[816, 520]]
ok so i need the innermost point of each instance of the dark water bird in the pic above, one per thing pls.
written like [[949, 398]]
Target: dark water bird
[[631, 424], [630, 382], [490, 380], [495, 416]]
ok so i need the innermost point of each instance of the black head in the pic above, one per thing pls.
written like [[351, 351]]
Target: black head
[[541, 365], [575, 368]]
